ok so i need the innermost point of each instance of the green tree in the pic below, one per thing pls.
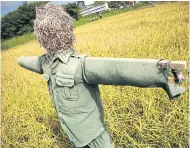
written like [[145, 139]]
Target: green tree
[[73, 10], [19, 21], [96, 3], [116, 4]]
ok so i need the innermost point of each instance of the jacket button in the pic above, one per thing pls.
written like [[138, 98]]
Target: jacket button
[[46, 77]]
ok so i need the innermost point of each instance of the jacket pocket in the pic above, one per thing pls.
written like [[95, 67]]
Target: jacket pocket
[[83, 115], [65, 85]]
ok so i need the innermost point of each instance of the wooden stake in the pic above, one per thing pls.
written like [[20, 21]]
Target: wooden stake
[[174, 64]]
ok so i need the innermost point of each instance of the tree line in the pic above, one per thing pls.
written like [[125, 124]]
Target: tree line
[[20, 21]]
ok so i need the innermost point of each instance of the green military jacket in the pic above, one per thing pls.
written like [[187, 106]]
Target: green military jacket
[[77, 103], [73, 85]]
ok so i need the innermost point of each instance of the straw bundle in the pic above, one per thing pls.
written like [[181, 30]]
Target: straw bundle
[[54, 29]]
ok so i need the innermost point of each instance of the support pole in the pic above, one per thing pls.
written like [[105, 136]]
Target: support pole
[[179, 65]]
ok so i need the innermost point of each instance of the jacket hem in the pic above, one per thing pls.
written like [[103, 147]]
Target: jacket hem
[[94, 137]]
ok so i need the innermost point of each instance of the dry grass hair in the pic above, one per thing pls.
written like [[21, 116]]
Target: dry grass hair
[[54, 29]]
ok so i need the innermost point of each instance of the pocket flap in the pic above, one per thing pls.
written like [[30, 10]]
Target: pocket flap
[[64, 80]]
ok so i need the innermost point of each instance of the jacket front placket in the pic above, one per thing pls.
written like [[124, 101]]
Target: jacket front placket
[[49, 76]]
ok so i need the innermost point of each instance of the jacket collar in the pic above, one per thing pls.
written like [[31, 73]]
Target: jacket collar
[[63, 56]]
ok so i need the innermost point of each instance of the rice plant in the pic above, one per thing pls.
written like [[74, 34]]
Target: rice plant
[[136, 117]]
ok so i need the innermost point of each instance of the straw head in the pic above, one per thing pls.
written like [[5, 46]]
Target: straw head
[[54, 28]]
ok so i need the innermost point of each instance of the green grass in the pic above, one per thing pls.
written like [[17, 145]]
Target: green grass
[[13, 42]]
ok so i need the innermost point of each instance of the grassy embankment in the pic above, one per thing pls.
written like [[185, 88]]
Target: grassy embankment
[[136, 117]]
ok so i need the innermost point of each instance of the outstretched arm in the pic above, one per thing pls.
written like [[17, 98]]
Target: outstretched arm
[[33, 63], [129, 72]]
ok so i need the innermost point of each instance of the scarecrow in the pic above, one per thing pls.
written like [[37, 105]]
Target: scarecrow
[[73, 78]]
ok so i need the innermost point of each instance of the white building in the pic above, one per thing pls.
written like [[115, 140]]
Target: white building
[[94, 9]]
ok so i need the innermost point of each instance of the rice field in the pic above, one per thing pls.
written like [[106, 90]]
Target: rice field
[[136, 117]]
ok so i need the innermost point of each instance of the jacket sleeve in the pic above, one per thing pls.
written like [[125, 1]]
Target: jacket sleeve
[[33, 63], [130, 72]]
